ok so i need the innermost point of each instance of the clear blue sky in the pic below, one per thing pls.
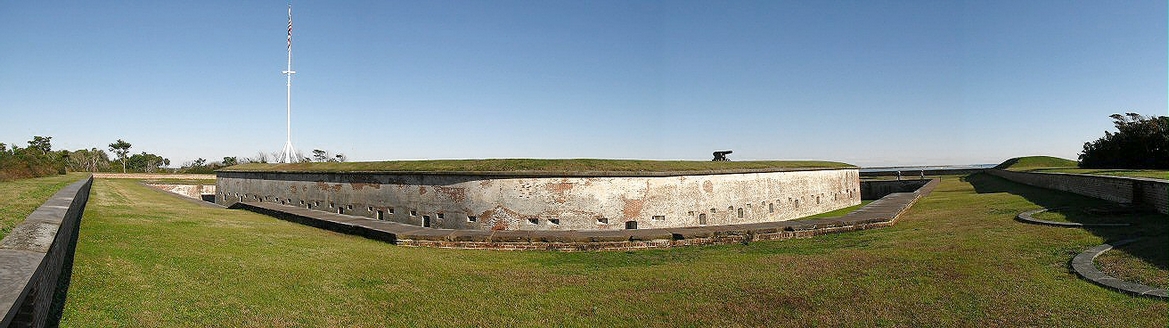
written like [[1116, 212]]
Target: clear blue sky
[[865, 82]]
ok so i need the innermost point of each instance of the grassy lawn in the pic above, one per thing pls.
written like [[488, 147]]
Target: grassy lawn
[[1143, 262], [1155, 174], [1048, 164], [19, 198], [839, 212], [956, 259], [534, 165]]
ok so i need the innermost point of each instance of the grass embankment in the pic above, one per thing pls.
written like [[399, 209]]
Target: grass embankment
[[534, 165], [1035, 162], [956, 259], [19, 198], [1048, 164], [1155, 174]]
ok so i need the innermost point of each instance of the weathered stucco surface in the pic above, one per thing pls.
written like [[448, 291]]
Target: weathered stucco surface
[[553, 203]]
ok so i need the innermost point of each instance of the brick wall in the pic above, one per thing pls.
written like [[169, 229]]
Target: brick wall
[[1148, 193], [36, 259]]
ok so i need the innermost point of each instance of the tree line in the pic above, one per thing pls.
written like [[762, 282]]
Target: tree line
[[39, 159], [1141, 142]]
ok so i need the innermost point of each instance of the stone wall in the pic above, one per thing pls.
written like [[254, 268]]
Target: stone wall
[[1148, 193], [191, 191], [875, 189], [481, 202], [36, 259]]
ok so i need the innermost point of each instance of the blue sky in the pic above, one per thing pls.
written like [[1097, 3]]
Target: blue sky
[[865, 82]]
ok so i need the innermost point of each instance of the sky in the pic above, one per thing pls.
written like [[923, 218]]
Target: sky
[[871, 83]]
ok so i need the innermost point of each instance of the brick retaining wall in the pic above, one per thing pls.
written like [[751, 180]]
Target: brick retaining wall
[[1147, 193], [36, 259]]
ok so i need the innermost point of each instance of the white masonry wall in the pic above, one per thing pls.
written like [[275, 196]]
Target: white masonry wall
[[459, 201]]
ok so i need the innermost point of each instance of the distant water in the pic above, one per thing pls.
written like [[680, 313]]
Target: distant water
[[927, 167]]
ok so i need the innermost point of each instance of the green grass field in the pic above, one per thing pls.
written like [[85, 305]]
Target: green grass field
[[1033, 162], [533, 165], [957, 258], [1048, 164], [1155, 174], [18, 198]]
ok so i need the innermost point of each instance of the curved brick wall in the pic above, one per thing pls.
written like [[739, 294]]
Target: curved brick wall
[[483, 202]]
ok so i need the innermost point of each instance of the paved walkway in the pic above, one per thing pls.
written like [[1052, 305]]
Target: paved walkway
[[880, 213]]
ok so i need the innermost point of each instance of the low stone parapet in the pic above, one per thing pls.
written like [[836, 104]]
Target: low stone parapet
[[36, 259]]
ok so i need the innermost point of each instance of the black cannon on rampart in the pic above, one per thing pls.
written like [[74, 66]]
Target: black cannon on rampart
[[721, 156]]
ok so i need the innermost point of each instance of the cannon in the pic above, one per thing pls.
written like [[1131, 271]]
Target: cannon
[[721, 156]]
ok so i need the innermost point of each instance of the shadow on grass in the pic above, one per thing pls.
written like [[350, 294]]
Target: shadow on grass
[[1081, 209]]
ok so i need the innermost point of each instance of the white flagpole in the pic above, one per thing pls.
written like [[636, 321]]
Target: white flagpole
[[289, 154]]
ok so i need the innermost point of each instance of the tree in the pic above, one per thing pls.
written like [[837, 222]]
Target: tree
[[121, 148], [320, 155], [147, 162], [324, 156], [41, 144], [1141, 142], [229, 161]]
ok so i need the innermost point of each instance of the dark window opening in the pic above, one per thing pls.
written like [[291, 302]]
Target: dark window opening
[[603, 221], [533, 221], [472, 219], [426, 221], [630, 225], [702, 219], [740, 212], [381, 215], [554, 221]]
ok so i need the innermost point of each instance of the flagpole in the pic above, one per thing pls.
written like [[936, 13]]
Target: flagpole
[[289, 154]]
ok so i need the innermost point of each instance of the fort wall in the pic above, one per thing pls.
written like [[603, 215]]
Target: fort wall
[[1148, 193], [550, 202]]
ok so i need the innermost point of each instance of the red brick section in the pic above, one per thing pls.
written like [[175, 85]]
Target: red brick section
[[1148, 193], [880, 213]]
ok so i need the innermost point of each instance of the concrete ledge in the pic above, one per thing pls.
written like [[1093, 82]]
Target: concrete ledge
[[1026, 217], [36, 259], [880, 213], [1085, 266]]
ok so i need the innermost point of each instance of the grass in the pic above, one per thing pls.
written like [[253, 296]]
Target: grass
[[1142, 262], [19, 198], [1033, 162], [1048, 164], [181, 181], [534, 165], [1155, 174], [1079, 214], [957, 258], [839, 212]]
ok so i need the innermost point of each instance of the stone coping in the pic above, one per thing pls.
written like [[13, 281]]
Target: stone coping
[[1085, 266], [33, 256], [880, 213], [552, 174], [1026, 217]]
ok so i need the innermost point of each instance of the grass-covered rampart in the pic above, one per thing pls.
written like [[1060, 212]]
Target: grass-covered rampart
[[1048, 164], [957, 258], [19, 198]]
